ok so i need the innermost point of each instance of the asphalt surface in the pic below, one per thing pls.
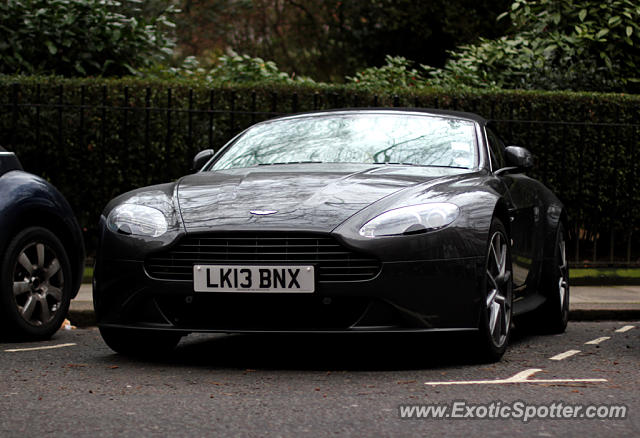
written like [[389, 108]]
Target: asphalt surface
[[317, 386]]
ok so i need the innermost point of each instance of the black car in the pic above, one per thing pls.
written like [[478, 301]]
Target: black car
[[41, 253], [338, 222]]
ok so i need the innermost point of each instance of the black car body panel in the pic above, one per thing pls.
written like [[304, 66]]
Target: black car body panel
[[423, 281], [311, 196], [26, 199]]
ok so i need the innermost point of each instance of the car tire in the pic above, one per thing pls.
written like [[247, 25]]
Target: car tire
[[139, 343], [497, 303], [36, 285], [553, 315]]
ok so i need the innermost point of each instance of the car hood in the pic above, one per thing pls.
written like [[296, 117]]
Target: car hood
[[314, 197]]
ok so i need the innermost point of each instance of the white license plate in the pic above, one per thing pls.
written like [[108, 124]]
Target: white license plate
[[235, 278]]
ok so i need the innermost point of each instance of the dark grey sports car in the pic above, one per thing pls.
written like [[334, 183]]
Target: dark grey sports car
[[340, 221]]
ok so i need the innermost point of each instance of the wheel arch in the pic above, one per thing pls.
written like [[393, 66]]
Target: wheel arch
[[501, 211], [556, 215]]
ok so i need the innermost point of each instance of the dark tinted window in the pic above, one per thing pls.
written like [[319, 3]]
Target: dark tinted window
[[496, 149]]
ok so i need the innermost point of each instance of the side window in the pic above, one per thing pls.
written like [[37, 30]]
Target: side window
[[496, 149]]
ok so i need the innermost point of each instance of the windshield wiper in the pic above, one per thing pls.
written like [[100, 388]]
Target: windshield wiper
[[288, 162], [422, 165]]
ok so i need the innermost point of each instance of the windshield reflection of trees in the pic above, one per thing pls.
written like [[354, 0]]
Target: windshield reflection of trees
[[363, 138]]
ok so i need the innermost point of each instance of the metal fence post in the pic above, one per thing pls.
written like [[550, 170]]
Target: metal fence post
[[38, 104], [167, 157], [103, 132], [15, 89], [232, 125], [210, 112], [125, 120], [147, 140], [253, 107], [60, 103], [81, 135], [334, 100], [190, 122]]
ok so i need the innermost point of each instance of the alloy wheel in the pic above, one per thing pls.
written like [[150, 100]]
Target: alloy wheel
[[563, 281], [499, 299], [38, 281]]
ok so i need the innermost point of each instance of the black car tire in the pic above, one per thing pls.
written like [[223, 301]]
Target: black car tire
[[36, 285], [139, 343], [497, 304], [553, 315]]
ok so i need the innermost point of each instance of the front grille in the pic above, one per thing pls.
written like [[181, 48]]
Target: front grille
[[334, 262]]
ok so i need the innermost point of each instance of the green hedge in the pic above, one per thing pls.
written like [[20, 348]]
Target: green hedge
[[96, 138]]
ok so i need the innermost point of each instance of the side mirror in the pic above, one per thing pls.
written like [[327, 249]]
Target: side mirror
[[518, 157], [8, 161], [201, 159]]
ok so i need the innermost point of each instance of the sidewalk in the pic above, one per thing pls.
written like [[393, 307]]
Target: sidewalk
[[587, 303]]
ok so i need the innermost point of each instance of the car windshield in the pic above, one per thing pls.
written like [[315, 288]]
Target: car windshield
[[368, 138]]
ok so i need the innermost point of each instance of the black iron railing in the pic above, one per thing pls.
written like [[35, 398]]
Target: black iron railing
[[96, 141]]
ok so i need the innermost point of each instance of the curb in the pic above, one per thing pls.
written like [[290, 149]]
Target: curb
[[82, 317], [605, 281], [604, 314]]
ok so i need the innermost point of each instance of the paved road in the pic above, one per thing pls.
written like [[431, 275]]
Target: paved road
[[312, 386]]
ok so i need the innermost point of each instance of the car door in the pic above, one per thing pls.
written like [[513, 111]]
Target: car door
[[525, 214]]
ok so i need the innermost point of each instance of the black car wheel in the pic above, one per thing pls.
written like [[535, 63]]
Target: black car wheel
[[497, 306], [36, 285], [139, 342], [553, 315]]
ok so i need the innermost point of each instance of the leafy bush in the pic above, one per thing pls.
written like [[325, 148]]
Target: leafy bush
[[557, 44], [396, 73], [231, 68], [79, 38], [245, 69]]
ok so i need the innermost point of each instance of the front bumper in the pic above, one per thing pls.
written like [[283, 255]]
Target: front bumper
[[418, 296]]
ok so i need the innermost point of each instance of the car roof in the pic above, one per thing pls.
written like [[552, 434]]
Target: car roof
[[408, 111]]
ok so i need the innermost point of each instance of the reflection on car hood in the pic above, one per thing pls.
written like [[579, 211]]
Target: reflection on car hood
[[316, 197]]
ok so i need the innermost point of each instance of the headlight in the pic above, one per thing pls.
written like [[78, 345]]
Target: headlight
[[412, 219], [138, 220]]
